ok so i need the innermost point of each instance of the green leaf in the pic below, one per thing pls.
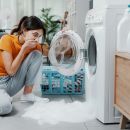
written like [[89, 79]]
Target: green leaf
[[51, 26]]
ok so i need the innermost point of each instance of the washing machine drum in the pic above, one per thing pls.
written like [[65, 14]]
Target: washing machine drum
[[66, 52]]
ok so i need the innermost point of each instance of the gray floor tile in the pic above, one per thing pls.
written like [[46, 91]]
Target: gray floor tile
[[18, 109], [97, 125], [104, 127], [66, 126], [19, 123], [94, 123]]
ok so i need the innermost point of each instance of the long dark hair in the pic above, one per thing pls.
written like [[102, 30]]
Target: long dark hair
[[29, 23]]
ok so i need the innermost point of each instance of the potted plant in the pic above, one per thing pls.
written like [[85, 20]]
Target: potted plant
[[51, 24]]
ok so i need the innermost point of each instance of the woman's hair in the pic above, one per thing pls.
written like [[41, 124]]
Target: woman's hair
[[29, 23]]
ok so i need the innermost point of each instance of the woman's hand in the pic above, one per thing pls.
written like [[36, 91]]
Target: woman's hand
[[29, 44]]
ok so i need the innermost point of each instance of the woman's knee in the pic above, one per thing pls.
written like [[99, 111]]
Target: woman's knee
[[33, 57], [5, 103], [36, 54]]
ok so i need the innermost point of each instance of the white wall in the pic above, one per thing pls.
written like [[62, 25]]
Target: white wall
[[19, 8], [77, 13], [58, 6], [24, 7], [81, 15], [38, 5], [103, 3], [7, 13]]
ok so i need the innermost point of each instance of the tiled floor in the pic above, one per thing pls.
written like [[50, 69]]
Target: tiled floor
[[14, 121]]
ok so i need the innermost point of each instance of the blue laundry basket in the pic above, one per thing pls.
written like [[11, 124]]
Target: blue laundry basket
[[56, 83]]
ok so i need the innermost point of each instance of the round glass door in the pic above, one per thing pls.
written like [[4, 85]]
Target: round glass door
[[65, 53], [92, 55]]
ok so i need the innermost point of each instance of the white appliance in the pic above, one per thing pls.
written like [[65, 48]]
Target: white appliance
[[101, 36], [101, 39], [101, 33]]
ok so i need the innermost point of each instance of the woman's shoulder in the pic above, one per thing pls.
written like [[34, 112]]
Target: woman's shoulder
[[8, 37]]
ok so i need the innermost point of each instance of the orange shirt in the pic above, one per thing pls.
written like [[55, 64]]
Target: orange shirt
[[11, 44]]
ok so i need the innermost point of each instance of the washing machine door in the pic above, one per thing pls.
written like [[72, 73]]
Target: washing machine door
[[66, 52], [91, 51]]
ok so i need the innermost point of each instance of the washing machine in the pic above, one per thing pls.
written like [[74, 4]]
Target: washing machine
[[101, 37], [100, 43]]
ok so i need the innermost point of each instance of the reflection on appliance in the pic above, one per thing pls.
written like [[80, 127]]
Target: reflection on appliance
[[100, 42], [61, 43], [90, 4]]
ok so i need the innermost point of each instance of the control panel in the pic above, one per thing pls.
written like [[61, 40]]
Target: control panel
[[94, 17]]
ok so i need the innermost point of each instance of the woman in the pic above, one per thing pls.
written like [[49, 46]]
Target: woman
[[20, 60]]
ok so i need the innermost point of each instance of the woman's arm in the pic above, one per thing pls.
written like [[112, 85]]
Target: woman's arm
[[11, 66]]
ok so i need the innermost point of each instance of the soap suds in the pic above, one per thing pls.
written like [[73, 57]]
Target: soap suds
[[60, 111]]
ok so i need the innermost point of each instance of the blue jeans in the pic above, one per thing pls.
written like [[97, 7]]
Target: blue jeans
[[25, 76]]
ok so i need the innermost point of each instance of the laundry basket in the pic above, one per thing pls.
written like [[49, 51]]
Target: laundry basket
[[56, 83]]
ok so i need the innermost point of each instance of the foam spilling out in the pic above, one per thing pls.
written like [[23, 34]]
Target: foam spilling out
[[59, 111]]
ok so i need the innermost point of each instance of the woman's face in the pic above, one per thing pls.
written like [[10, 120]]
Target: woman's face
[[33, 35]]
